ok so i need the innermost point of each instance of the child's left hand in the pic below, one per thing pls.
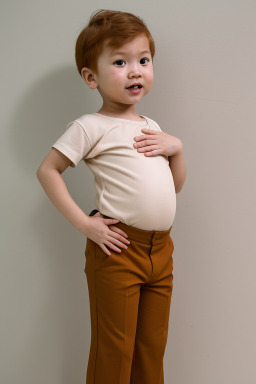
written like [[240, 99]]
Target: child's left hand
[[154, 143]]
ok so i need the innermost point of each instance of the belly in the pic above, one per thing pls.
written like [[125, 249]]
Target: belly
[[142, 195]]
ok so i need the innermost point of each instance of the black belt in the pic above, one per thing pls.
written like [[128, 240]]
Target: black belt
[[93, 212]]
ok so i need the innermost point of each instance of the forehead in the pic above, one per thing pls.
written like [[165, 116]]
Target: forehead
[[139, 44]]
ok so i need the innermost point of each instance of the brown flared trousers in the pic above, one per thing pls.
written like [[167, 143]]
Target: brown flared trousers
[[130, 297]]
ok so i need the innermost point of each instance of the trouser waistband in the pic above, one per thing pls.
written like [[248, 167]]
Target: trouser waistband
[[142, 235]]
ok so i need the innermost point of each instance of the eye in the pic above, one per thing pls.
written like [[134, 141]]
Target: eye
[[145, 58], [118, 61]]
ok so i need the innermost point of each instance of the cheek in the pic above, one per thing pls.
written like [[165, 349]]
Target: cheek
[[118, 76], [150, 77]]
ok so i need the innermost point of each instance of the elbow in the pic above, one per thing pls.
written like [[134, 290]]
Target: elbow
[[44, 171], [38, 172], [179, 186], [41, 172], [177, 190]]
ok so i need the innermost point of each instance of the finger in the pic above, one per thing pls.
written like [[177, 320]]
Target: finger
[[118, 230], [105, 249], [149, 148], [144, 143], [118, 234], [119, 242], [154, 153], [147, 132], [150, 131], [112, 246], [110, 221]]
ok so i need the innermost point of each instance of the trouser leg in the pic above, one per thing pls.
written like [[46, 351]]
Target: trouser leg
[[153, 319], [114, 298]]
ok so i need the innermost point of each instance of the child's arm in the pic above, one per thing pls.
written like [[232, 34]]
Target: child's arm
[[96, 228], [49, 176], [178, 169]]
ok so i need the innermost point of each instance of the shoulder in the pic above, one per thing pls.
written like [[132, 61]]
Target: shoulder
[[153, 124], [91, 126], [86, 120]]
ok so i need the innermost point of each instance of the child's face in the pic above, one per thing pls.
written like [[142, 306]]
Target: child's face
[[116, 72]]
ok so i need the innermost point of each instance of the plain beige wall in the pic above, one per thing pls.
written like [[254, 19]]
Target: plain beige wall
[[204, 93]]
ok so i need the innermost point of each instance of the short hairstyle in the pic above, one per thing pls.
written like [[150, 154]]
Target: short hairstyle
[[119, 27]]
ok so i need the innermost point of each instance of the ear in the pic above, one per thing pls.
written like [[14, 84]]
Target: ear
[[89, 77]]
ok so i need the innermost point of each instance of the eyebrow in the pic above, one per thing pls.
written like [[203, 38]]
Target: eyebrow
[[123, 53]]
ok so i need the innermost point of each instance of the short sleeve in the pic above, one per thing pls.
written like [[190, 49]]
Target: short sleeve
[[74, 143], [158, 127]]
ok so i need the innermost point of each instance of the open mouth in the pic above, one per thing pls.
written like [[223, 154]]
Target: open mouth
[[135, 87]]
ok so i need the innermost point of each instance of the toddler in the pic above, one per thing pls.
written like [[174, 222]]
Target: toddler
[[138, 170]]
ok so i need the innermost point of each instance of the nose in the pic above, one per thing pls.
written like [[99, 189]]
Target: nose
[[135, 72]]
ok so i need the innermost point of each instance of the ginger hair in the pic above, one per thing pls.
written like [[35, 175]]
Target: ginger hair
[[117, 27]]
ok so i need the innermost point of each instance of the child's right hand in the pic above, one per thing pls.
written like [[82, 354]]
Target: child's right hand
[[103, 232]]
